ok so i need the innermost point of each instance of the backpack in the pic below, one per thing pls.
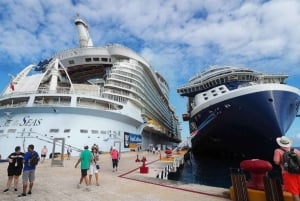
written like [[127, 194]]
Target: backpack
[[291, 162], [34, 159]]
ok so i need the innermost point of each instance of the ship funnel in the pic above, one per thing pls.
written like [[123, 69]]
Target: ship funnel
[[83, 33]]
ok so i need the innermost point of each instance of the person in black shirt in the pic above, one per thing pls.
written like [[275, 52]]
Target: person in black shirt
[[14, 169]]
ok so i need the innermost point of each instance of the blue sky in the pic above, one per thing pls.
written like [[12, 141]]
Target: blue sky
[[179, 38]]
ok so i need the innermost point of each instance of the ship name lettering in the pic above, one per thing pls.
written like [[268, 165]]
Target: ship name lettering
[[27, 121]]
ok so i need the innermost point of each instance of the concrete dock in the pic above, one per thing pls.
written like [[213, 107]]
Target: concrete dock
[[60, 183]]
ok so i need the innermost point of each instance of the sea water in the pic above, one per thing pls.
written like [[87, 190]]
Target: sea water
[[206, 171], [214, 171]]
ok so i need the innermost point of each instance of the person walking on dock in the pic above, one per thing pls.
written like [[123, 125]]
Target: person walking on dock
[[94, 166], [115, 158], [291, 181], [44, 152], [14, 169], [30, 162], [85, 159], [69, 151]]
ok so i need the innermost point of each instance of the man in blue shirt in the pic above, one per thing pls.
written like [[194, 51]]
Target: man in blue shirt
[[29, 170]]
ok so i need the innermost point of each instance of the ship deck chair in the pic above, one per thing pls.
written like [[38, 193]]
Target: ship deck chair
[[273, 189], [239, 185]]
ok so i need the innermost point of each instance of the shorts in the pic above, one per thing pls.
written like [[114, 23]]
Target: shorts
[[28, 175], [93, 169], [43, 155], [83, 172], [291, 183], [14, 171]]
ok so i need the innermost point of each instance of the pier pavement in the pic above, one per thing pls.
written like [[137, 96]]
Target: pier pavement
[[127, 184]]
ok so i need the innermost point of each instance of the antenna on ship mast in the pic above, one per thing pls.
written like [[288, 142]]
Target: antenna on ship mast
[[83, 33]]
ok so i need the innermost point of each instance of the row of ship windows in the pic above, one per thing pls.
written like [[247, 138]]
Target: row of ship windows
[[214, 92], [94, 59], [135, 81], [84, 131]]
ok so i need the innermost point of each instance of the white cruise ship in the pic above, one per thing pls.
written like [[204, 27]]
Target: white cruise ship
[[88, 95]]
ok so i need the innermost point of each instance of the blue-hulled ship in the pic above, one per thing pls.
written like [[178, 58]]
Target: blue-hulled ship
[[238, 112]]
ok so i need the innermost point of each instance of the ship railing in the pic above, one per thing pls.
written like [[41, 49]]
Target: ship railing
[[222, 79], [58, 100]]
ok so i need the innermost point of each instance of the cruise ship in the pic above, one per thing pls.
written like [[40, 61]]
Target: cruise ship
[[109, 96], [237, 112]]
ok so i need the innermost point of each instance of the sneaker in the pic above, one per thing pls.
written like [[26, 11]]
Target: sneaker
[[87, 189], [5, 190], [22, 195], [16, 189], [78, 186], [29, 192]]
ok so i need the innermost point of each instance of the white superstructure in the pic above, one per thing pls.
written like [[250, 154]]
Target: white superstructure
[[107, 95]]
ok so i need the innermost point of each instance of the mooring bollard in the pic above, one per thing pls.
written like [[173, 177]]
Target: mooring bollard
[[144, 169]]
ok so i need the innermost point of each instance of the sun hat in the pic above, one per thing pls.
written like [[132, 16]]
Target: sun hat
[[284, 141]]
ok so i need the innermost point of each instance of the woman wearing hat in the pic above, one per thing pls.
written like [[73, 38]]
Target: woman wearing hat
[[291, 182]]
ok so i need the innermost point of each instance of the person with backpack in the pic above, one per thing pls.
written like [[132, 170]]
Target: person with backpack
[[30, 161], [287, 158]]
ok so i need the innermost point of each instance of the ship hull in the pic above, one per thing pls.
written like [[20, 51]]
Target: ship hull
[[244, 126], [77, 126]]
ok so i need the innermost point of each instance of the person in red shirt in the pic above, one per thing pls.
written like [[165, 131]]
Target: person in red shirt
[[115, 158], [291, 182]]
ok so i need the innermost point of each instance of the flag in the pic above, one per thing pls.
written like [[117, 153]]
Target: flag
[[12, 86]]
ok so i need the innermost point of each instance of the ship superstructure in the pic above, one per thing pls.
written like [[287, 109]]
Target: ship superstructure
[[108, 96]]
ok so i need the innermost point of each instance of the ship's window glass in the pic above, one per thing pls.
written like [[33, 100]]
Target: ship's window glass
[[54, 130], [205, 94], [88, 59], [67, 130], [223, 91], [71, 62], [96, 59], [213, 91], [205, 98], [83, 131], [1, 131], [103, 132], [109, 59], [104, 59], [15, 101], [95, 131], [215, 94], [11, 130]]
